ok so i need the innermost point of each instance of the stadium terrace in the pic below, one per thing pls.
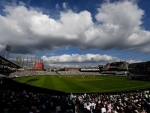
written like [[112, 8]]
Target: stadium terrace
[[112, 88]]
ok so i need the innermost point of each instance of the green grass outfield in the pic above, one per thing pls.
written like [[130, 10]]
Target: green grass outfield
[[88, 84]]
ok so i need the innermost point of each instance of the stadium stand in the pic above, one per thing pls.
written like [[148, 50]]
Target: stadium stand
[[23, 101], [90, 69], [6, 62], [22, 98], [139, 70], [118, 68], [7, 67]]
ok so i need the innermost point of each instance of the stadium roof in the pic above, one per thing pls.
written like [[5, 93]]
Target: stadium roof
[[8, 63], [3, 76]]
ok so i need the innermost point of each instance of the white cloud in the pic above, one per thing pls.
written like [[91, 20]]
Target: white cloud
[[134, 61], [66, 58], [118, 26], [64, 5], [61, 65], [57, 6], [78, 60], [106, 1]]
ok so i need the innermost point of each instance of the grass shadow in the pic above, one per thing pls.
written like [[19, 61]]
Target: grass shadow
[[31, 80]]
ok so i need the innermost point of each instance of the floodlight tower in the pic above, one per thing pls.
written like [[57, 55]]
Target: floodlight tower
[[7, 48], [3, 46], [92, 59]]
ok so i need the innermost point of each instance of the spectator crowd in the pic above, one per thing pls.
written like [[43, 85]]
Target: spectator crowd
[[33, 73], [22, 101]]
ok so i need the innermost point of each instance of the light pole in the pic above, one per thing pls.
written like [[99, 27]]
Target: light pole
[[92, 59], [7, 48]]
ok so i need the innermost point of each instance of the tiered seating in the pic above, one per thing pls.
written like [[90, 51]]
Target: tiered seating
[[36, 73], [21, 101]]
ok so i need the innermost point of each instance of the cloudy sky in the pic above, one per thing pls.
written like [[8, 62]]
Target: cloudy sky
[[76, 32]]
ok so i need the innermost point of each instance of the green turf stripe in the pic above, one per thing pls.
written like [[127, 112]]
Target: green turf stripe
[[48, 83], [88, 84], [25, 79], [59, 84], [125, 88], [34, 80], [96, 82], [92, 83], [38, 81], [77, 86], [73, 85]]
